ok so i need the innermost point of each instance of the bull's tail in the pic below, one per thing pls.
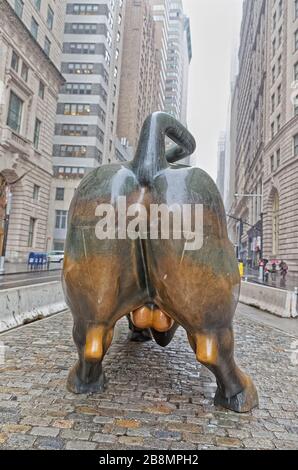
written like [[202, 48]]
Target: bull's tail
[[151, 156]]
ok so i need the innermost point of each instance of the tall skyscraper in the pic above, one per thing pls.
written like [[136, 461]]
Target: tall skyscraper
[[30, 52], [179, 55], [161, 17], [154, 75], [85, 134], [139, 73], [221, 160]]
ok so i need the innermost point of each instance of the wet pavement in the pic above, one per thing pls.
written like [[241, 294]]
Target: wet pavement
[[155, 398]]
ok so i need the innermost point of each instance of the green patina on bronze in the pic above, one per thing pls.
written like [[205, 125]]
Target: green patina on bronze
[[107, 279]]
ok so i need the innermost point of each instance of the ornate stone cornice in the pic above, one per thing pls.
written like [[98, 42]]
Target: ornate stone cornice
[[292, 122], [12, 26]]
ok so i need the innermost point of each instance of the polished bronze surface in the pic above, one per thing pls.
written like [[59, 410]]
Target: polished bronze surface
[[151, 317], [157, 283]]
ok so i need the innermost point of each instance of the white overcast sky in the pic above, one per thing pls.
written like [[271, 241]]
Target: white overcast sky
[[215, 26]]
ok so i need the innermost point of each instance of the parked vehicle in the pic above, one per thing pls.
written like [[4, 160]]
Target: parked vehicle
[[56, 256]]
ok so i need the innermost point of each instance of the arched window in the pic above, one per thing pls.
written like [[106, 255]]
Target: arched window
[[275, 224]]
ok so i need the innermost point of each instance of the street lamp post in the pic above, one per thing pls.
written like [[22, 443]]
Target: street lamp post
[[261, 268], [5, 234]]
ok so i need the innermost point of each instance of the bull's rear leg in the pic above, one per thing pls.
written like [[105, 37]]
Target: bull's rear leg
[[215, 350], [92, 342]]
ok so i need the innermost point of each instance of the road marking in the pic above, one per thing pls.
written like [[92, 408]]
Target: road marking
[[30, 279]]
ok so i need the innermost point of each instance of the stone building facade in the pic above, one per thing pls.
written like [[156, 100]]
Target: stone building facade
[[281, 142], [86, 122], [30, 51], [266, 140], [250, 134]]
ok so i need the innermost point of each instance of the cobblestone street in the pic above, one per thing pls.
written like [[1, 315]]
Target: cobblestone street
[[155, 398]]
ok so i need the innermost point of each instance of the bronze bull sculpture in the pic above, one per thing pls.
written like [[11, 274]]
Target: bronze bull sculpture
[[156, 282]]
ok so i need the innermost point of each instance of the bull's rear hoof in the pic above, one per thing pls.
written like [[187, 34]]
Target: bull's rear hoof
[[139, 336], [243, 402], [77, 385]]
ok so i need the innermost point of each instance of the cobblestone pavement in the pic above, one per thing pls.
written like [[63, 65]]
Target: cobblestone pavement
[[155, 398]]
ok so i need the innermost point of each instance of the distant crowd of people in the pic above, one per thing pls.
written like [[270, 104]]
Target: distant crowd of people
[[272, 268]]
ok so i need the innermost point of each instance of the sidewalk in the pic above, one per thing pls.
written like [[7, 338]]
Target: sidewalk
[[252, 275], [20, 268]]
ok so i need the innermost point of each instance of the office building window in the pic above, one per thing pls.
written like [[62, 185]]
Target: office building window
[[15, 61], [296, 71], [280, 36], [67, 171], [278, 122], [34, 28], [24, 72], [37, 4], [107, 58], [81, 48], [36, 190], [59, 194], [50, 18], [278, 158], [36, 133], [273, 47], [273, 74], [296, 106], [47, 45], [77, 109], [15, 109], [274, 21], [296, 9], [18, 7], [272, 103], [75, 130], [279, 94], [280, 8], [31, 233], [85, 9], [272, 130], [61, 219], [296, 145], [296, 40], [84, 28], [100, 135], [81, 68], [272, 163], [110, 20], [109, 38], [279, 65], [78, 89], [41, 90], [73, 151]]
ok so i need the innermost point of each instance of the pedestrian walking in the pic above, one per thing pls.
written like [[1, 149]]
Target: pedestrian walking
[[283, 267]]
